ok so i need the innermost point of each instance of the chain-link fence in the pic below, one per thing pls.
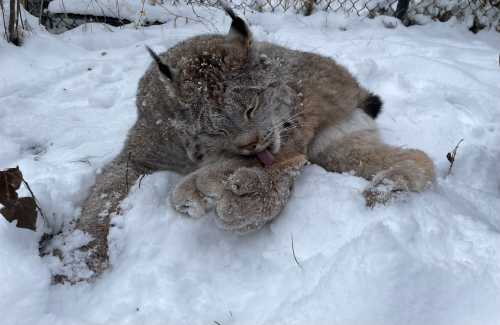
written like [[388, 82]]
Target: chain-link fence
[[477, 14], [61, 22]]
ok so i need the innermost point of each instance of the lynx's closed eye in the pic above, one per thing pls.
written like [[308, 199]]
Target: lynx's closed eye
[[218, 133], [221, 132], [253, 106], [214, 133]]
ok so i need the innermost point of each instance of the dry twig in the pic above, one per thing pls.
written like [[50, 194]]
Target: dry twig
[[451, 155], [294, 256], [36, 201]]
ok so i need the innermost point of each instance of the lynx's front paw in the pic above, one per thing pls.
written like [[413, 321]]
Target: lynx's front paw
[[241, 214], [188, 200], [246, 204], [245, 181]]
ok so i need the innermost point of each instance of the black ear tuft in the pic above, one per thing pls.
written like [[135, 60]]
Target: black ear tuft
[[228, 9], [165, 69], [238, 25], [372, 105]]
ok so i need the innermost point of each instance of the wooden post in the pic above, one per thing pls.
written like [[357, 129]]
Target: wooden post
[[401, 9], [13, 29]]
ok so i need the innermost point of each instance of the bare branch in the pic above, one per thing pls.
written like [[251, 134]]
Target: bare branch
[[294, 256], [451, 155], [36, 201]]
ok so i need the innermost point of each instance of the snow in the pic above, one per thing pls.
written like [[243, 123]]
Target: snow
[[67, 101]]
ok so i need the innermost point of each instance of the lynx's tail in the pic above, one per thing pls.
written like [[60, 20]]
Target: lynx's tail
[[372, 105]]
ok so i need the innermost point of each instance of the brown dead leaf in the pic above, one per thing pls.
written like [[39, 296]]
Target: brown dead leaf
[[10, 181], [24, 209]]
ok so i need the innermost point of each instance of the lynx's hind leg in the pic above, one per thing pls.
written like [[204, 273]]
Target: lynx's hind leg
[[355, 145]]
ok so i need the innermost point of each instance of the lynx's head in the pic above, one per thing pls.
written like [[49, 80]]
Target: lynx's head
[[238, 103]]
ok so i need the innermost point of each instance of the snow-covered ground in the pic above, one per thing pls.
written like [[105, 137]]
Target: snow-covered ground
[[67, 101]]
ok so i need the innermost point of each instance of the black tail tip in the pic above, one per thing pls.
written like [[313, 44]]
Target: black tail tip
[[372, 105]]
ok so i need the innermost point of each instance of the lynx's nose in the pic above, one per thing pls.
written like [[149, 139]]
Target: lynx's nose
[[248, 143], [249, 146]]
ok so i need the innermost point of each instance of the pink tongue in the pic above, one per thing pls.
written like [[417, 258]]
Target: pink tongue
[[265, 157]]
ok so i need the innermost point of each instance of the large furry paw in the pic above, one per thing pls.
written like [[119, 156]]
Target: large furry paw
[[245, 198], [406, 176], [381, 193], [246, 204], [387, 185], [74, 256], [245, 181], [187, 200], [241, 214]]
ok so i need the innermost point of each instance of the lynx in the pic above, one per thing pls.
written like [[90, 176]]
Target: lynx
[[240, 119]]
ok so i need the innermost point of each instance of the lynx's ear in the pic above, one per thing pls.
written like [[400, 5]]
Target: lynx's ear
[[239, 30], [164, 68]]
